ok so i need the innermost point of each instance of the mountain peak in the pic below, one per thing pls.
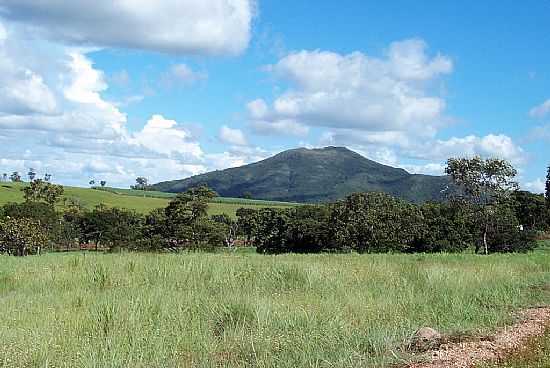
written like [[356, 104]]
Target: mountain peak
[[314, 175]]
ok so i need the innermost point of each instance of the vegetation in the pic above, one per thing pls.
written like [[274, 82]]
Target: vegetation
[[316, 175], [237, 310], [481, 214], [130, 199]]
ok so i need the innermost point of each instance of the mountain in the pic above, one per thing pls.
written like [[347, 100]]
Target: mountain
[[314, 175]]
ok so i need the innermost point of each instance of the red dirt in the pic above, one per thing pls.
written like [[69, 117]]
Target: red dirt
[[532, 324]]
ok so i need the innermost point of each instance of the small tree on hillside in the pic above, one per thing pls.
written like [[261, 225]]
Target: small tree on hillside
[[15, 177], [141, 184], [103, 183], [41, 191], [484, 183], [547, 188], [31, 174]]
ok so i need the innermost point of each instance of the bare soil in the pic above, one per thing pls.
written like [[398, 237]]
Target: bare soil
[[532, 323]]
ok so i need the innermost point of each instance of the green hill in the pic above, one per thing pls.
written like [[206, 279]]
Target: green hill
[[314, 175], [139, 201]]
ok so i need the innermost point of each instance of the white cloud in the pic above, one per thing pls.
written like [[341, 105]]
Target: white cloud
[[22, 90], [172, 26], [164, 136], [379, 94], [232, 136], [541, 110], [499, 146], [426, 169], [535, 186]]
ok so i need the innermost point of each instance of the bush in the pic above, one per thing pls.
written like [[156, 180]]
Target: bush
[[21, 236]]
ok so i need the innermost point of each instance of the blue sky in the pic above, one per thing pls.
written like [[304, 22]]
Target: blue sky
[[113, 90]]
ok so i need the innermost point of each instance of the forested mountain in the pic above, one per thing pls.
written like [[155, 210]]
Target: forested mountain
[[314, 175]]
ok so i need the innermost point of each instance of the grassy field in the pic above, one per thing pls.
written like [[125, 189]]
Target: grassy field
[[139, 201], [249, 310]]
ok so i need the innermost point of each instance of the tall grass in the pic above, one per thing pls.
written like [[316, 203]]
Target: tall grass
[[235, 310]]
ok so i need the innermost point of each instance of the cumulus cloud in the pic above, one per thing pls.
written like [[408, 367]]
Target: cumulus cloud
[[535, 186], [174, 26], [379, 94], [22, 91], [166, 137], [491, 145], [232, 136], [541, 110]]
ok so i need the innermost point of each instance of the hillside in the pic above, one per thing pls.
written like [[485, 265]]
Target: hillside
[[314, 175], [132, 199]]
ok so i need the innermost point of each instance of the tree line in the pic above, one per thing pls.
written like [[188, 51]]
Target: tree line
[[485, 213]]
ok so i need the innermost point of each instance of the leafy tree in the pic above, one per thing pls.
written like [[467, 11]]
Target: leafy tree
[[187, 221], [374, 222], [308, 229], [271, 229], [31, 174], [445, 227], [92, 182], [530, 210], [40, 190], [247, 222], [21, 236], [484, 183], [47, 177], [141, 184], [504, 231], [15, 177], [103, 183], [547, 188], [113, 227], [228, 229]]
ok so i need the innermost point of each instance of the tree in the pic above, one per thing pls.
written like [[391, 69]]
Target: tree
[[228, 228], [374, 222], [115, 227], [4, 177], [186, 217], [103, 183], [40, 190], [47, 177], [444, 227], [530, 209], [15, 177], [247, 219], [547, 189], [31, 174], [92, 183], [21, 236], [141, 183], [483, 182]]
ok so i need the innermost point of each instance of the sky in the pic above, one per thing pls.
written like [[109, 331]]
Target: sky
[[115, 89]]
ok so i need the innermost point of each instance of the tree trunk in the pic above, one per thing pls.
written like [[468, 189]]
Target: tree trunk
[[486, 248]]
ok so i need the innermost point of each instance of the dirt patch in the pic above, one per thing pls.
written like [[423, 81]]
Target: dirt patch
[[466, 354]]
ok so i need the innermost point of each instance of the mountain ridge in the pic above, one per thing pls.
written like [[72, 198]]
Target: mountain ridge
[[314, 175]]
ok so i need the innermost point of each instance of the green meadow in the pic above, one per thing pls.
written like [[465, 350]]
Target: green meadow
[[139, 201], [247, 310]]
